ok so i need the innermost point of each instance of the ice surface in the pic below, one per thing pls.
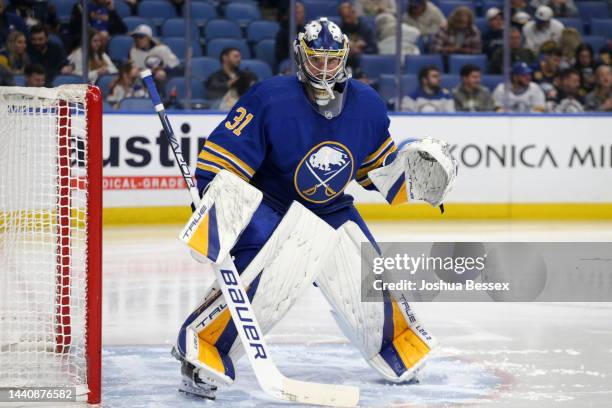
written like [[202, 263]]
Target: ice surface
[[492, 355]]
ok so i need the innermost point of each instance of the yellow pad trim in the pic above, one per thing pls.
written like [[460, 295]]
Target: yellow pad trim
[[209, 355], [213, 331], [199, 239], [402, 195], [409, 346]]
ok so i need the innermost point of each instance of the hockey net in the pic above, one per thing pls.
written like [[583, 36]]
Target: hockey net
[[50, 238]]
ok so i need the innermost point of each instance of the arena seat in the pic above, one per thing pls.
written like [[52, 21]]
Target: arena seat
[[491, 81], [67, 80], [219, 28], [119, 47], [456, 61], [573, 22], [178, 44], [215, 46], [156, 10], [202, 12], [132, 22], [175, 27], [262, 30], [135, 104], [600, 26], [593, 9], [414, 63], [260, 68], [387, 88], [447, 7], [265, 51], [197, 87], [104, 82], [450, 81], [375, 65], [242, 13], [203, 67]]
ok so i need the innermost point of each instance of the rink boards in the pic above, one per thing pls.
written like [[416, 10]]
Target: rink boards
[[523, 167]]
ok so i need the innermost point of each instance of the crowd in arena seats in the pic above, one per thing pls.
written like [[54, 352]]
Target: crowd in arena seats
[[451, 50]]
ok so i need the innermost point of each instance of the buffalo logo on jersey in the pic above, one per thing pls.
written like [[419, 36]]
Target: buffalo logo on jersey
[[324, 172]]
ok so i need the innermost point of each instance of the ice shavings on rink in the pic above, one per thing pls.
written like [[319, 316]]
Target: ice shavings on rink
[[148, 377]]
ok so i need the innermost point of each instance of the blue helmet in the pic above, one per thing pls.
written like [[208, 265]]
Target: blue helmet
[[321, 52], [521, 68]]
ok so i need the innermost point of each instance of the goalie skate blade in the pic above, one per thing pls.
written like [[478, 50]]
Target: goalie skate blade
[[189, 389], [319, 394]]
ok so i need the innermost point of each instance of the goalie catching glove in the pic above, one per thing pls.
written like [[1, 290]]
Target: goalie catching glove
[[423, 170]]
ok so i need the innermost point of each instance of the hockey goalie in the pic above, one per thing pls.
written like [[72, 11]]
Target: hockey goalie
[[300, 141]]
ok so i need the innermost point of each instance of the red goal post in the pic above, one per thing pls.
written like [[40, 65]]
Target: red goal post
[[51, 238]]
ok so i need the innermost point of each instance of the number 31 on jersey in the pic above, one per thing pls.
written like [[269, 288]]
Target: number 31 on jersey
[[240, 120]]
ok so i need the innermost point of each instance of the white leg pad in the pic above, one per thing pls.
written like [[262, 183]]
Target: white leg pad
[[290, 260], [399, 349]]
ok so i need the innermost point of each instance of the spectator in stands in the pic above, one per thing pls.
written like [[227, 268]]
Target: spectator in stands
[[570, 40], [459, 35], [425, 16], [148, 52], [605, 55], [35, 12], [99, 63], [360, 34], [220, 82], [430, 96], [374, 7], [519, 6], [543, 28], [568, 99], [519, 19], [15, 56], [386, 29], [585, 64], [470, 95], [48, 54], [362, 77], [127, 85], [242, 84], [546, 73], [600, 99], [9, 22], [6, 77], [35, 76], [493, 37], [102, 17], [560, 8], [524, 95], [281, 50], [517, 53]]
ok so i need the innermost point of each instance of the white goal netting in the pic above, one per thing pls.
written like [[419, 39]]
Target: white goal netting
[[43, 236]]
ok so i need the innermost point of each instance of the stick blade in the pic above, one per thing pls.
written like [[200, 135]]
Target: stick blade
[[319, 394]]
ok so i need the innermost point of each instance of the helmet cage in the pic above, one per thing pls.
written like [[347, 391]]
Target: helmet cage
[[322, 66]]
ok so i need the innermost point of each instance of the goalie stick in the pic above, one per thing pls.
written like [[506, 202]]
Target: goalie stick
[[271, 380]]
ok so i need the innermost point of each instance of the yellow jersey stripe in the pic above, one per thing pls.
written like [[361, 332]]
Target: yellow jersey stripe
[[378, 151], [228, 155], [364, 170], [208, 167], [205, 155]]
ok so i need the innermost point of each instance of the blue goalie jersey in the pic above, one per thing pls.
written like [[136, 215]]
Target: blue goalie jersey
[[274, 138]]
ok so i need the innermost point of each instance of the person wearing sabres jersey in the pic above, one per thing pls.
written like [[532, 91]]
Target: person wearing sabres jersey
[[305, 138]]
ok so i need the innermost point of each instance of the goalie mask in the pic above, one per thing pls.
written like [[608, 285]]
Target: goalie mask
[[321, 52]]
